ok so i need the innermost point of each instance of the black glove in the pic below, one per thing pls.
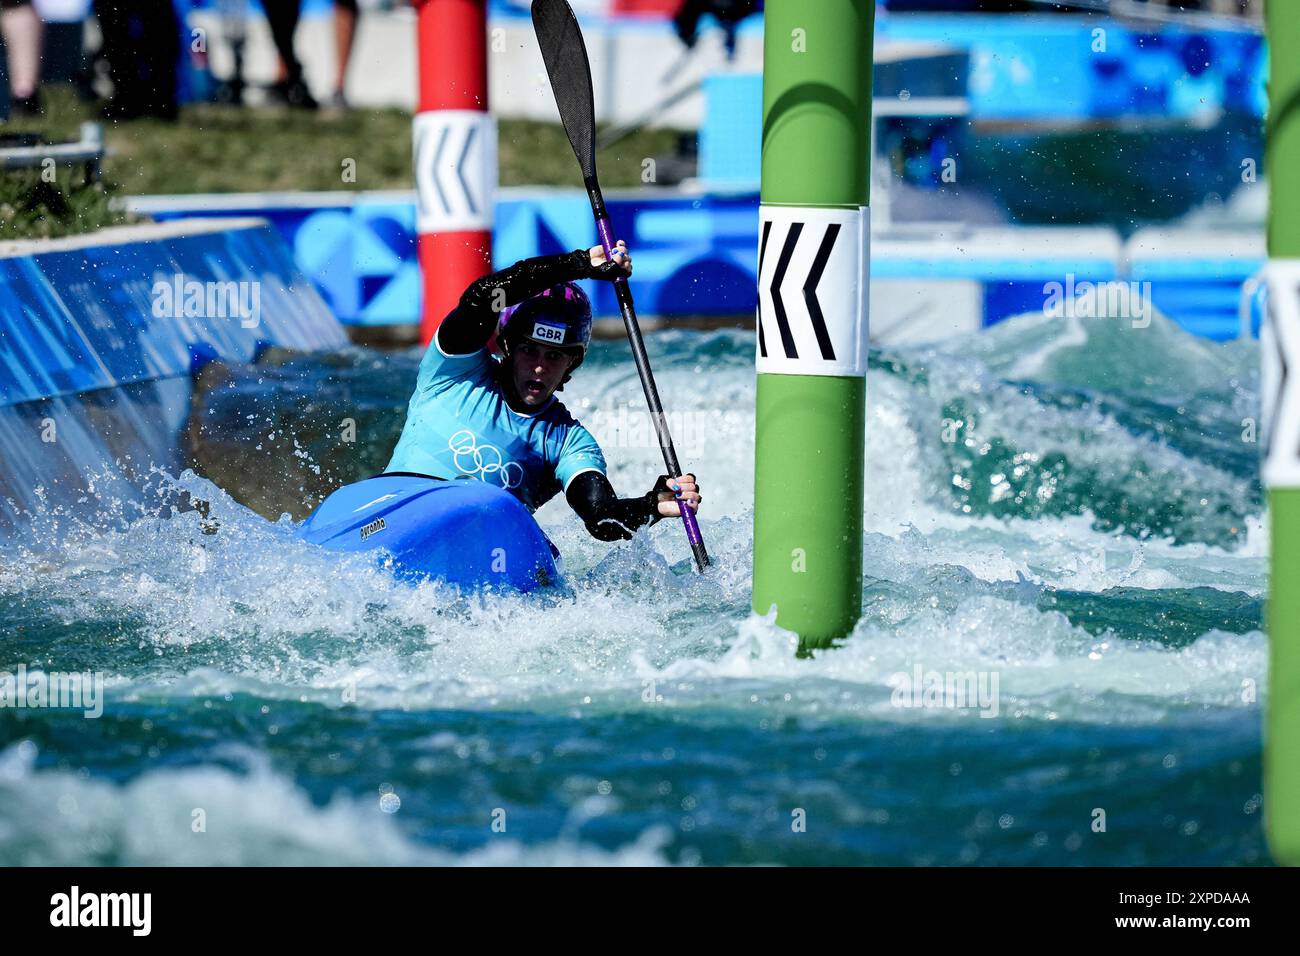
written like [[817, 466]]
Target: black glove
[[608, 271], [660, 492]]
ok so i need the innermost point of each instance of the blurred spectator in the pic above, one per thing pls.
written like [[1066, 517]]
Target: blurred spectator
[[728, 13], [282, 15], [142, 43], [345, 33], [63, 53], [233, 14], [21, 29]]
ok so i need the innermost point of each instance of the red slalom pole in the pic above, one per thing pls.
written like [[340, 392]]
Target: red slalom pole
[[455, 147]]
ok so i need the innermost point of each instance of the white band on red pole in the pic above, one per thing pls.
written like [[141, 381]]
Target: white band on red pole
[[455, 152], [455, 170]]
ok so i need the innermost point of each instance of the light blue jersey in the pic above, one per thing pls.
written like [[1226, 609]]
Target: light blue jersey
[[458, 424]]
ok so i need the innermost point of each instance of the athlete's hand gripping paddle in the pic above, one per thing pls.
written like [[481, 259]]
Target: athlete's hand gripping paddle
[[566, 61]]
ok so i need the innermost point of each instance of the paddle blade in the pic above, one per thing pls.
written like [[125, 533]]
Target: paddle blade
[[566, 61]]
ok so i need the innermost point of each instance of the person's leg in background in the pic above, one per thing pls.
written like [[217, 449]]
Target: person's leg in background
[[282, 17], [160, 52], [345, 33], [118, 50], [22, 30], [142, 46]]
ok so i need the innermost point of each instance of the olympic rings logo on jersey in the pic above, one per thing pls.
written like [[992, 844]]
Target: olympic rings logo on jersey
[[486, 459]]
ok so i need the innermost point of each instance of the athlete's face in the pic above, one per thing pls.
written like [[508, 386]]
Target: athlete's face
[[537, 370]]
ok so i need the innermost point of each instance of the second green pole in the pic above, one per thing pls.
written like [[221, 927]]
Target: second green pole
[[1280, 350]]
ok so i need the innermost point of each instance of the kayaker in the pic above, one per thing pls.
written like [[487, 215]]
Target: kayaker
[[474, 415]]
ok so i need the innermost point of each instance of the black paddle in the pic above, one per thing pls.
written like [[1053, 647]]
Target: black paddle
[[565, 55]]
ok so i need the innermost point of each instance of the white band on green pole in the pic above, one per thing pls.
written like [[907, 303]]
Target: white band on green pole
[[812, 290]]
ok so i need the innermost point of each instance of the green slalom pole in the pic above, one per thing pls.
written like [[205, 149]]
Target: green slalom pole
[[812, 323], [1281, 350]]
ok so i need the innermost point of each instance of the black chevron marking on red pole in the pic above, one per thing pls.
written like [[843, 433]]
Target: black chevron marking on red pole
[[778, 305], [810, 291], [762, 250], [437, 161], [421, 194], [460, 170]]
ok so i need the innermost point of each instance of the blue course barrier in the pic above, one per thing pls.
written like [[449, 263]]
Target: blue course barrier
[[100, 337], [1086, 67], [696, 253]]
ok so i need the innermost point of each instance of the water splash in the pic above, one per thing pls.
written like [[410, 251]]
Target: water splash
[[1113, 584]]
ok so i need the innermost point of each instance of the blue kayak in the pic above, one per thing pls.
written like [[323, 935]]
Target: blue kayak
[[464, 532]]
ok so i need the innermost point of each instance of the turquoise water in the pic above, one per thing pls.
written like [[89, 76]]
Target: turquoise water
[[1066, 505]]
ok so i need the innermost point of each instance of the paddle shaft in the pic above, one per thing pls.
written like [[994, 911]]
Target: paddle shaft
[[560, 40], [624, 293]]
